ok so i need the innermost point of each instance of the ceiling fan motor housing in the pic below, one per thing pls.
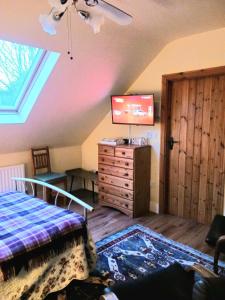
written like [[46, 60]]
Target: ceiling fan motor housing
[[91, 2]]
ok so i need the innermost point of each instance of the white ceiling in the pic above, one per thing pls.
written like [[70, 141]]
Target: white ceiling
[[77, 94]]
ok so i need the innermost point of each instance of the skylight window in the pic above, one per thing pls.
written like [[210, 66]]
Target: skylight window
[[23, 73]]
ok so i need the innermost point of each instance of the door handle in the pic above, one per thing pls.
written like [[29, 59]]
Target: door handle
[[171, 142]]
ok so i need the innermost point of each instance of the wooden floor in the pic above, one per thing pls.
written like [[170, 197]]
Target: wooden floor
[[105, 221]]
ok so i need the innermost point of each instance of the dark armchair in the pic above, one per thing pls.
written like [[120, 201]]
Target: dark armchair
[[173, 283], [220, 248], [216, 238]]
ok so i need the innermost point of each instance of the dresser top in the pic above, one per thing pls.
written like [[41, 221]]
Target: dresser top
[[132, 146]]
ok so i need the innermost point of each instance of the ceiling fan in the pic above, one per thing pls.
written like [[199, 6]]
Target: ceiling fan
[[93, 14]]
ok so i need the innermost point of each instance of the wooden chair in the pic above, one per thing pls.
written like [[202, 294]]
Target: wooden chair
[[42, 170]]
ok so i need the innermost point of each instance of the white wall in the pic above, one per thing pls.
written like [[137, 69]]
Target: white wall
[[61, 159]]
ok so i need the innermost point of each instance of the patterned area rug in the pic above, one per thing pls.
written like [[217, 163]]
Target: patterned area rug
[[132, 253]]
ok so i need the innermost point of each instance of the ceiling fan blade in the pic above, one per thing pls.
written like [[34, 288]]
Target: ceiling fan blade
[[113, 13], [48, 23]]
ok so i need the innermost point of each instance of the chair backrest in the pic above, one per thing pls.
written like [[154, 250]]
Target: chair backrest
[[41, 160]]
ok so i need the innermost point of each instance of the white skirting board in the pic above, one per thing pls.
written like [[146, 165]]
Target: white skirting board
[[6, 173]]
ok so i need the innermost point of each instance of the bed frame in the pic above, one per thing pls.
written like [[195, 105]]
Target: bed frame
[[58, 191], [54, 269]]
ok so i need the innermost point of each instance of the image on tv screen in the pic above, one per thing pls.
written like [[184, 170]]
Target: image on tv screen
[[133, 109]]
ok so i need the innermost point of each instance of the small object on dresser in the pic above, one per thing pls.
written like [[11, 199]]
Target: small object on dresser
[[139, 141], [112, 141]]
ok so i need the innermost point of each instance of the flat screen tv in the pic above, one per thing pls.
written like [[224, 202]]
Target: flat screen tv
[[133, 109]]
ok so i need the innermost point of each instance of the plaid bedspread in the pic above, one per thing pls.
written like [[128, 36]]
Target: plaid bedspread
[[28, 223]]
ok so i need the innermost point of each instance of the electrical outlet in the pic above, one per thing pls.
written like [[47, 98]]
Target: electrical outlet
[[149, 134], [152, 135]]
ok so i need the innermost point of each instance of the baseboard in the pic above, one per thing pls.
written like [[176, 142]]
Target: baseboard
[[154, 207]]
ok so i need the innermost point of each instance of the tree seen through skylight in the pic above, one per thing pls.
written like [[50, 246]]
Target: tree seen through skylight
[[16, 66], [24, 70]]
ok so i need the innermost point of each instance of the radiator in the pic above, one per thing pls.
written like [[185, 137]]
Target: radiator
[[6, 173]]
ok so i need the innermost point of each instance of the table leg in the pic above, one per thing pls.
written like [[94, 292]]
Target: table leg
[[65, 188], [93, 191], [48, 195], [71, 184], [35, 190]]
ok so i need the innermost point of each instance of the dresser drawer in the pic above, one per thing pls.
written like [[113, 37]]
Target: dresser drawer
[[124, 152], [116, 161], [128, 212], [116, 171], [106, 150], [120, 202], [114, 190], [121, 182]]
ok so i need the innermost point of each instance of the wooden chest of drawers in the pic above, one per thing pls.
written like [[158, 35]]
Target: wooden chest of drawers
[[124, 178]]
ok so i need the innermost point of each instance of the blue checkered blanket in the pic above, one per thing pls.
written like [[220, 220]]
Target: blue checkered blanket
[[32, 229]]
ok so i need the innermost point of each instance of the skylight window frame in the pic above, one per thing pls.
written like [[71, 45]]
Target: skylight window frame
[[32, 87], [29, 82]]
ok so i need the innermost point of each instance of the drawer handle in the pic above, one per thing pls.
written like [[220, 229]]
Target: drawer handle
[[126, 195], [126, 205], [102, 178], [102, 169], [126, 184], [103, 159], [126, 164], [103, 188], [105, 150], [126, 174], [123, 153]]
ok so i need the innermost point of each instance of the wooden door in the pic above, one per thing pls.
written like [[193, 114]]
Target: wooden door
[[195, 147]]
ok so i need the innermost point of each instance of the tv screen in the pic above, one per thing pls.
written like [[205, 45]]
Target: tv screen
[[133, 109]]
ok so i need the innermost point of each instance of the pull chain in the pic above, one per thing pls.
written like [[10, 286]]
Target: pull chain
[[69, 35]]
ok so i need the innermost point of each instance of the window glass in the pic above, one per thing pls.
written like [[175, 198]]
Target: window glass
[[23, 72]]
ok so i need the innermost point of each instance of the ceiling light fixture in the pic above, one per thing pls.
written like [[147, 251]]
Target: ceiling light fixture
[[50, 21]]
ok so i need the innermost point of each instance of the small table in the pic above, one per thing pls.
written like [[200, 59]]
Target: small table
[[85, 175]]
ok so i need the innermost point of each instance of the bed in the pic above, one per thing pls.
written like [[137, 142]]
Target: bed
[[42, 247]]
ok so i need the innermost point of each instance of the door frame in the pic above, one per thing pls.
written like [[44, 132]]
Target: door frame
[[165, 118]]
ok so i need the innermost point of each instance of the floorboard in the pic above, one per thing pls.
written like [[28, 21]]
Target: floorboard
[[104, 221]]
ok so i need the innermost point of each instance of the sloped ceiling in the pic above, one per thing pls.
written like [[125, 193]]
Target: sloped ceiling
[[77, 94]]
